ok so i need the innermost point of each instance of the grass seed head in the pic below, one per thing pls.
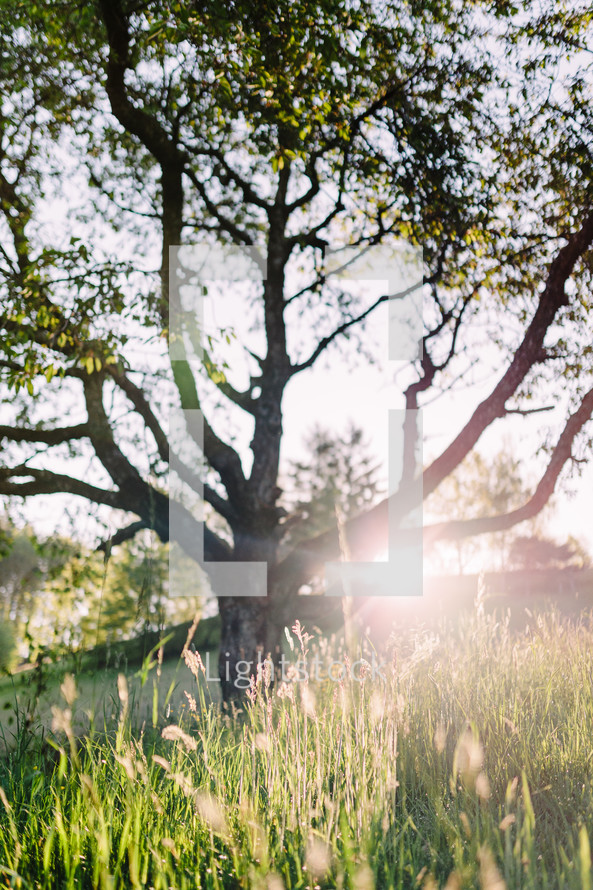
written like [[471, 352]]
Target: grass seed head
[[469, 758], [211, 811], [192, 703], [162, 762], [128, 766], [308, 701], [440, 738], [482, 786], [453, 881], [184, 782], [285, 691], [169, 844], [122, 690], [68, 689], [176, 734], [318, 857], [62, 720], [363, 879], [490, 876], [194, 662]]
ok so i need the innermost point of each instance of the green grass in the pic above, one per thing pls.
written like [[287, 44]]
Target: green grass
[[468, 766]]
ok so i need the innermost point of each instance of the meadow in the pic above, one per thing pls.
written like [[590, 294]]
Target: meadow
[[464, 761]]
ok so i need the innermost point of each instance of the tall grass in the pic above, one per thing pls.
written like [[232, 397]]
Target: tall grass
[[468, 764]]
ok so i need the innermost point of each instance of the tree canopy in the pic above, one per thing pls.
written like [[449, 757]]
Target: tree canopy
[[295, 129]]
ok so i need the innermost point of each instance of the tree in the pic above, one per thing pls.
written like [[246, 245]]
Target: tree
[[537, 552], [287, 128], [483, 487], [57, 595], [335, 481]]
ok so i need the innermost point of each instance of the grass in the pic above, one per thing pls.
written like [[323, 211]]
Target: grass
[[468, 765]]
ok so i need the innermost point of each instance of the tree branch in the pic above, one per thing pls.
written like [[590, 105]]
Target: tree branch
[[249, 193], [140, 402], [123, 473], [325, 341], [529, 353], [466, 528], [48, 437], [225, 224], [525, 412], [136, 396], [221, 456], [124, 534], [136, 121], [311, 173], [367, 534], [47, 482]]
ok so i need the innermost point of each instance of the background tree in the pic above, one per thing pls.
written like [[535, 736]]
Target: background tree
[[538, 552], [284, 127], [482, 487], [338, 479], [57, 595]]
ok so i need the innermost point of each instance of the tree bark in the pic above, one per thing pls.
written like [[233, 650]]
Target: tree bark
[[247, 633], [243, 638]]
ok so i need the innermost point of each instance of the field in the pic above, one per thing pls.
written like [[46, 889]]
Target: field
[[463, 761]]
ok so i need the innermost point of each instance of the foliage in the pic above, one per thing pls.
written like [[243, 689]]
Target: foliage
[[20, 573], [467, 763], [7, 647], [60, 596]]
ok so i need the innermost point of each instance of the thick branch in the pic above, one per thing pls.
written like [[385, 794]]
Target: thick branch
[[529, 353], [186, 531], [47, 437], [367, 534], [196, 482], [140, 403], [150, 132], [46, 482], [152, 135], [265, 444], [221, 456], [123, 473], [466, 528], [154, 512]]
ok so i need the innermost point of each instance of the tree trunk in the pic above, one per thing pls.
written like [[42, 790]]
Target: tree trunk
[[247, 634], [244, 642]]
